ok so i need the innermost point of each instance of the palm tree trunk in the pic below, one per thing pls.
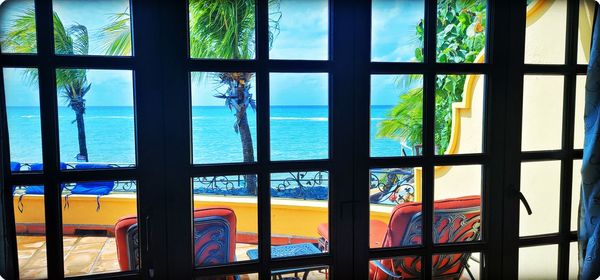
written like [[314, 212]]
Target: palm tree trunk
[[244, 131], [83, 153], [248, 151]]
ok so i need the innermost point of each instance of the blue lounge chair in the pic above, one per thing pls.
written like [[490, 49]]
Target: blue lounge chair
[[37, 189], [98, 189], [15, 166]]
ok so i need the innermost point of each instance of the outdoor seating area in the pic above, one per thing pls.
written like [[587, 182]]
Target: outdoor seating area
[[218, 240]]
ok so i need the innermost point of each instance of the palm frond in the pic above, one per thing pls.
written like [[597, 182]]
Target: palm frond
[[20, 36], [80, 39], [116, 35], [224, 29], [63, 43]]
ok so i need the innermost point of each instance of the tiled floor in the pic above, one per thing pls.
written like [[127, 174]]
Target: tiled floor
[[91, 255]]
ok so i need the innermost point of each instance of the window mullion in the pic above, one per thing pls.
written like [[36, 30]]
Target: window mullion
[[49, 125]]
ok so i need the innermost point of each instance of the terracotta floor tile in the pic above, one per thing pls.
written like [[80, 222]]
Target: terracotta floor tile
[[38, 260], [31, 242], [87, 248], [69, 240], [106, 266], [92, 239], [26, 253], [38, 273]]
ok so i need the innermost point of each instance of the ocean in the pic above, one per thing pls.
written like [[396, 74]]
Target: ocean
[[297, 133]]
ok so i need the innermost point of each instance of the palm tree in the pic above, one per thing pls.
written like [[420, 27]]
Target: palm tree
[[218, 30], [72, 83], [225, 30]]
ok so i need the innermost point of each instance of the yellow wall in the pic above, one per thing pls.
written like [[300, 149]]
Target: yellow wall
[[81, 210], [289, 217]]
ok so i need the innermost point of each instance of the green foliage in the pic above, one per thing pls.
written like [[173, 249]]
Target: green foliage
[[20, 36], [117, 35], [73, 40], [225, 28], [460, 38], [404, 121]]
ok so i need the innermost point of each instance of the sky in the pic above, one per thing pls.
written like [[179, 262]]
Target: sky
[[303, 34]]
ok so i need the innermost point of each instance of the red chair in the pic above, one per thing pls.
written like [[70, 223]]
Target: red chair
[[455, 220], [214, 238]]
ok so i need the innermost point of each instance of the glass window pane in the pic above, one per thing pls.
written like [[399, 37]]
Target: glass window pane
[[299, 116], [299, 29], [465, 265], [459, 114], [576, 194], [316, 272], [222, 29], [228, 205], [299, 213], [96, 118], [409, 267], [461, 29], [538, 262], [395, 199], [21, 91], [545, 34], [579, 111], [17, 26], [31, 231], [540, 184], [223, 117], [457, 223], [396, 115], [100, 227], [586, 22], [542, 113], [403, 42], [99, 27], [573, 261]]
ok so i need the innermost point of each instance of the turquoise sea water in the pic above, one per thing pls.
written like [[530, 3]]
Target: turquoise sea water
[[297, 133]]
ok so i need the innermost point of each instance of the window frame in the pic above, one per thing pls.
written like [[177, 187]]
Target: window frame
[[569, 70], [161, 28]]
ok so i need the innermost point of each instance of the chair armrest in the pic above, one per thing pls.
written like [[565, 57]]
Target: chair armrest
[[390, 273]]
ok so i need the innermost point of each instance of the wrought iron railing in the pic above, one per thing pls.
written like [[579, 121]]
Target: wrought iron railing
[[388, 186]]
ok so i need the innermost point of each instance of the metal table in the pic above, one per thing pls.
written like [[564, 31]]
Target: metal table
[[292, 250]]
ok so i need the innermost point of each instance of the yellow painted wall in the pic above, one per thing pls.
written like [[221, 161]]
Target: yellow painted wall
[[81, 210], [289, 217]]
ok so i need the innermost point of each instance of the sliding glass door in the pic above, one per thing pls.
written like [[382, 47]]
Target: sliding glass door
[[316, 139]]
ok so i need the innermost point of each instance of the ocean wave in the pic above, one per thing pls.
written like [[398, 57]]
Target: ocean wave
[[30, 116], [315, 119]]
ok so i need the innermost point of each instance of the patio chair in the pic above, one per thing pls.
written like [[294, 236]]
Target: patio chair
[[455, 220], [214, 239], [98, 189]]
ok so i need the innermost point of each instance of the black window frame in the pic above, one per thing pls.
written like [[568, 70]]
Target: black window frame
[[567, 153], [161, 65]]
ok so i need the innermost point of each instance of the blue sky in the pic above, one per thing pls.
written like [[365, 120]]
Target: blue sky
[[303, 35]]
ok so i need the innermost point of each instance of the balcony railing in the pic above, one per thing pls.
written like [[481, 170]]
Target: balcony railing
[[387, 186]]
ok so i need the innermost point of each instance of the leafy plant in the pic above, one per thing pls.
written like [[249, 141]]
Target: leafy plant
[[460, 38]]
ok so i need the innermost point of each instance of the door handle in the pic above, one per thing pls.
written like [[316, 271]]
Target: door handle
[[525, 203]]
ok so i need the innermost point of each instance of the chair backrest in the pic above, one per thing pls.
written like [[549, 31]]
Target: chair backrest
[[455, 220], [214, 238], [93, 188]]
